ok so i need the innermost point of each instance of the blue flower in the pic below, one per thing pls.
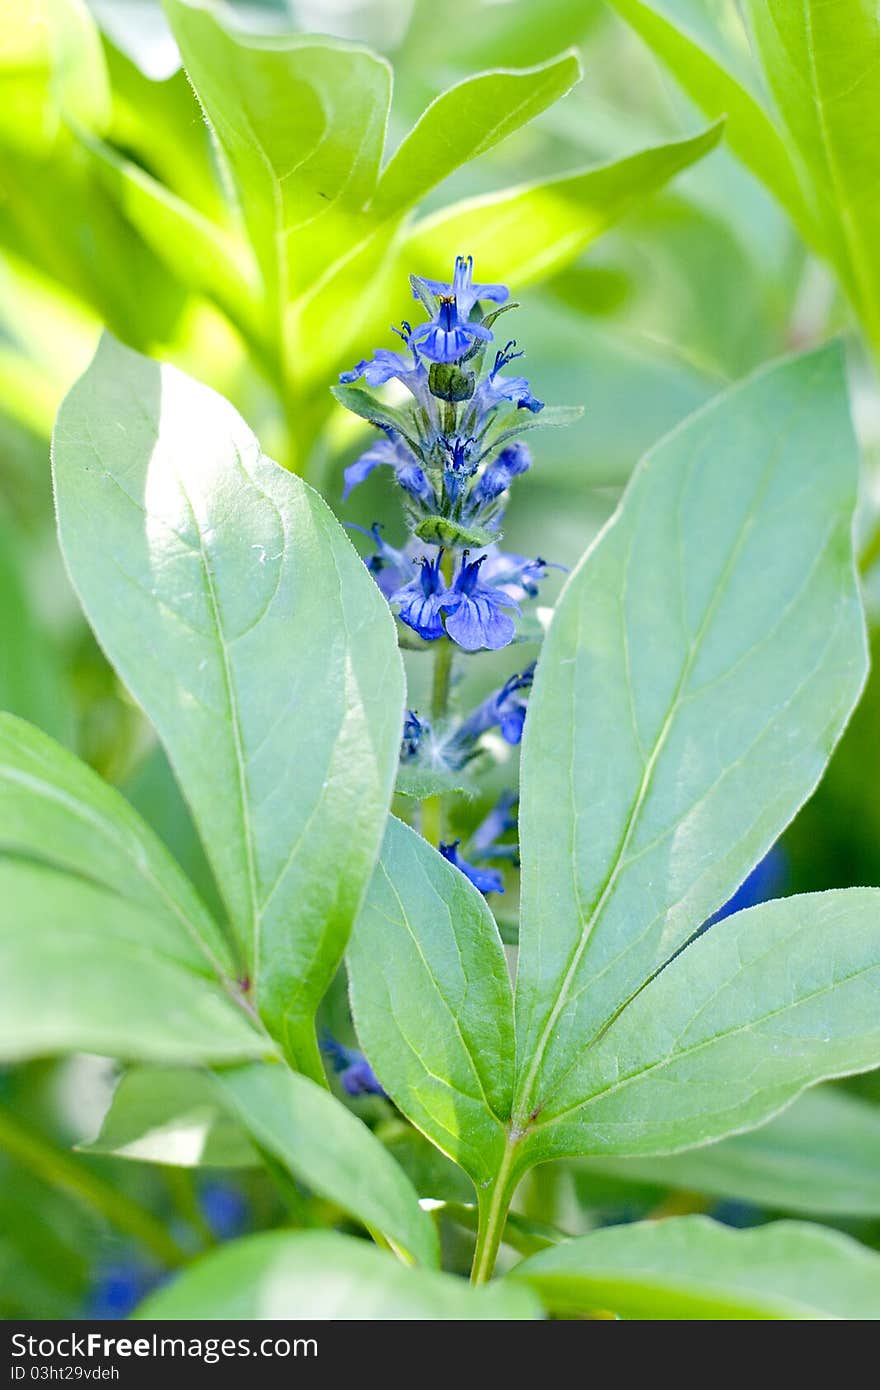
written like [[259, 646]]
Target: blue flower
[[119, 1288], [413, 733], [451, 332], [447, 337], [355, 1074], [389, 567], [422, 600], [458, 468], [391, 451], [225, 1209], [486, 880], [505, 708], [385, 366], [484, 841], [498, 475], [496, 389], [462, 289], [475, 614], [767, 880], [516, 575]]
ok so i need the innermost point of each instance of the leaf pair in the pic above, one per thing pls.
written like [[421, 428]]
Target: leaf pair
[[701, 663]]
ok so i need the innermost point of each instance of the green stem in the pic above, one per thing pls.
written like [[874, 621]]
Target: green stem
[[494, 1205], [63, 1170], [433, 820], [442, 682]]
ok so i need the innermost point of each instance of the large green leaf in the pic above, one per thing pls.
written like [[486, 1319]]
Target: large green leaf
[[54, 808], [301, 122], [774, 999], [332, 1152], [700, 666], [680, 33], [465, 121], [82, 970], [431, 1000], [820, 1156], [236, 610], [318, 1274], [823, 65], [693, 1268], [524, 234]]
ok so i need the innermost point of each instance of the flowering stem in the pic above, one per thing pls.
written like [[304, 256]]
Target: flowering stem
[[432, 807], [442, 680]]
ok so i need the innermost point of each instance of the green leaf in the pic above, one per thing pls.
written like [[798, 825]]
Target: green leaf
[[681, 38], [431, 1000], [319, 1274], [82, 970], [54, 808], [241, 618], [301, 122], [694, 1268], [734, 1028], [368, 407], [418, 781], [439, 530], [332, 1152], [821, 63], [172, 1115], [467, 120], [201, 255], [525, 234], [700, 666], [821, 1156]]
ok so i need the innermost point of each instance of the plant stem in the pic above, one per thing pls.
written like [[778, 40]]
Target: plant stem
[[432, 807], [62, 1169], [442, 682], [494, 1205]]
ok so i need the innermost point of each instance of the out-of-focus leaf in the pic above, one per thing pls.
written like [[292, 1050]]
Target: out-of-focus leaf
[[823, 66], [821, 1156], [301, 121], [522, 235], [465, 121], [678, 32], [31, 683], [172, 1115], [271, 669], [318, 1274], [693, 1268]]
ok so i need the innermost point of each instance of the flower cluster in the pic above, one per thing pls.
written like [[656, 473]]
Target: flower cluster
[[455, 452]]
